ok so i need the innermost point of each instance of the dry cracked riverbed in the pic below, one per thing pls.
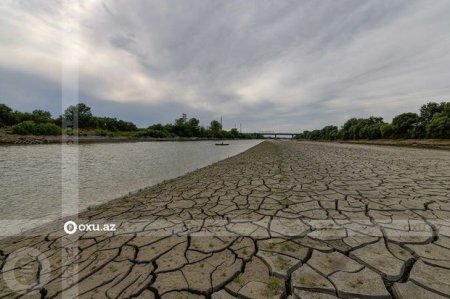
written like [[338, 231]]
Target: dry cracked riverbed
[[284, 219]]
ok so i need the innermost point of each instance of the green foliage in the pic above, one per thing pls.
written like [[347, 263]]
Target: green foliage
[[40, 122], [29, 127], [216, 128], [191, 128], [386, 130], [157, 131], [433, 122], [428, 110], [439, 126], [41, 116], [274, 286], [81, 114], [24, 128], [153, 133], [47, 129], [112, 124], [405, 125], [5, 115], [8, 117], [362, 128], [186, 128]]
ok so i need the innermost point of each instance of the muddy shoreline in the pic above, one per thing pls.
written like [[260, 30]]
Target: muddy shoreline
[[32, 140]]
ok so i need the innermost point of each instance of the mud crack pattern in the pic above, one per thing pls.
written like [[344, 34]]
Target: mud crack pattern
[[283, 219]]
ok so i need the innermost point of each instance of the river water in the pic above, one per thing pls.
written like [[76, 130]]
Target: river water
[[34, 179]]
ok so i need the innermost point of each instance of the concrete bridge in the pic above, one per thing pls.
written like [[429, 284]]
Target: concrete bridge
[[273, 134]]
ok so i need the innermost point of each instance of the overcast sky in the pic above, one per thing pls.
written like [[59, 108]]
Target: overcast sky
[[271, 65]]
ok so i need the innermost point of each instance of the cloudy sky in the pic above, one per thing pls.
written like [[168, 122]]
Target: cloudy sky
[[270, 65]]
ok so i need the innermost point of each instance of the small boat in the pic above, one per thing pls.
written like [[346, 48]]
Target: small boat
[[222, 143]]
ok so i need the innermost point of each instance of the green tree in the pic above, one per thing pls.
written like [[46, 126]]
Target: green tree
[[405, 125], [428, 110], [234, 133], [80, 112], [439, 127], [6, 117], [193, 125], [386, 130], [362, 128], [41, 116], [215, 126]]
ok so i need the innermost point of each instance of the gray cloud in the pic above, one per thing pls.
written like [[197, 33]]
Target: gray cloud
[[282, 65]]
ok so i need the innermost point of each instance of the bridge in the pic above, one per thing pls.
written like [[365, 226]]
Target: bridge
[[273, 134]]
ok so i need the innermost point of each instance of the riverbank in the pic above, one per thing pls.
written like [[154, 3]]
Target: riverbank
[[282, 218], [422, 143], [418, 143], [31, 176], [30, 139]]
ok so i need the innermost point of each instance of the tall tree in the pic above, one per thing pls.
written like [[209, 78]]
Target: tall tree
[[405, 125], [6, 117], [215, 126], [80, 112]]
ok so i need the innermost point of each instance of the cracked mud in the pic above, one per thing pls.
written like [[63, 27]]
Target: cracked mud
[[283, 219]]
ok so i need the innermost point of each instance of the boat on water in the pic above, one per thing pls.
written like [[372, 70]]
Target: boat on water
[[222, 143]]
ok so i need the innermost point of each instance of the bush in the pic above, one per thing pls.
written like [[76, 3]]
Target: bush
[[31, 128], [46, 129], [101, 132], [24, 128], [153, 133]]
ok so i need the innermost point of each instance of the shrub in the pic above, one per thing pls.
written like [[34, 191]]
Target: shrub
[[46, 129], [101, 132], [153, 133], [24, 128], [31, 128]]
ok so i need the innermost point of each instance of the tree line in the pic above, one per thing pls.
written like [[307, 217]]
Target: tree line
[[432, 122], [41, 122], [191, 128]]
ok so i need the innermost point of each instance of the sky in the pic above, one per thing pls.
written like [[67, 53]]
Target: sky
[[270, 65]]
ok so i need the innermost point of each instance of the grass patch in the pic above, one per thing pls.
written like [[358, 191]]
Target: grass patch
[[274, 286], [286, 246], [238, 279], [282, 263]]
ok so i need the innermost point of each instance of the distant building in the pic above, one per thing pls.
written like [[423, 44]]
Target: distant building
[[184, 117]]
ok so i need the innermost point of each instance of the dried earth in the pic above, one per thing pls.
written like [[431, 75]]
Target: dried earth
[[283, 219]]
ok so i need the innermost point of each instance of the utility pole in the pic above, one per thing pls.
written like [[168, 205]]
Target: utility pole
[[221, 122], [240, 127]]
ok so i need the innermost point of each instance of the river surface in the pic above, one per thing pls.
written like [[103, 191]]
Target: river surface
[[40, 183]]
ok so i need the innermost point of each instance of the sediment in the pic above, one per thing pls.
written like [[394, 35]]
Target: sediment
[[283, 219]]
